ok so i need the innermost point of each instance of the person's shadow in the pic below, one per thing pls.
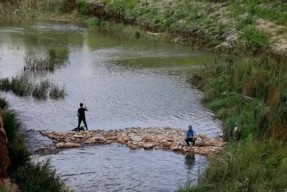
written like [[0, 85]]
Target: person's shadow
[[189, 161]]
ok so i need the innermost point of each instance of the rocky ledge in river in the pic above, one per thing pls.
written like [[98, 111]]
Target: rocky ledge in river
[[136, 138]]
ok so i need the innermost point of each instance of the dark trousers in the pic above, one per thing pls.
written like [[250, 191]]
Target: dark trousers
[[85, 123], [191, 139]]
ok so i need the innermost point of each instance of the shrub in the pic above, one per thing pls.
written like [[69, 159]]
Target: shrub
[[38, 177]]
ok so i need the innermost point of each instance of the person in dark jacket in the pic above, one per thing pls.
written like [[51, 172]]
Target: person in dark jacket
[[82, 116], [190, 136]]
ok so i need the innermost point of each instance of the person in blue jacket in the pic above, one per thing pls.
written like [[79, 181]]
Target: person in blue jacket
[[190, 136]]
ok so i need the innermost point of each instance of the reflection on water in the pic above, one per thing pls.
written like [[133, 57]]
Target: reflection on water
[[189, 161], [124, 83], [117, 168]]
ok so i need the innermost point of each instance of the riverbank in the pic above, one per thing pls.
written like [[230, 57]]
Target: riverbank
[[16, 165], [220, 26]]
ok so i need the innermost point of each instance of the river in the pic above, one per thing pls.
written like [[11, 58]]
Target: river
[[125, 82]]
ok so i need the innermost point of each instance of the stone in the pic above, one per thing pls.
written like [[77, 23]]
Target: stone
[[148, 145], [67, 145], [136, 138]]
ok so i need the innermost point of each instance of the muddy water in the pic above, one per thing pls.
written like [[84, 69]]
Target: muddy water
[[125, 82]]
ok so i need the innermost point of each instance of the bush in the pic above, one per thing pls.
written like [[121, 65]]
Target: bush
[[57, 92], [38, 177]]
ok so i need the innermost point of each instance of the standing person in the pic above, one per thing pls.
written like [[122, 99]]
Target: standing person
[[190, 136], [82, 116]]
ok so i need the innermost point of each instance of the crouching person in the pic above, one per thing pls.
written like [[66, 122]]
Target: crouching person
[[190, 136]]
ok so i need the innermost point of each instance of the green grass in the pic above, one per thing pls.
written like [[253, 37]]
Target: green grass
[[256, 39]]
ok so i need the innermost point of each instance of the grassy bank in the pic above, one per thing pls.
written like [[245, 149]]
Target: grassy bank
[[248, 25], [29, 176], [227, 25], [249, 96]]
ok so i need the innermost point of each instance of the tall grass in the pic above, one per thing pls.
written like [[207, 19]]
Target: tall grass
[[22, 86], [35, 177], [18, 151], [247, 166], [55, 58]]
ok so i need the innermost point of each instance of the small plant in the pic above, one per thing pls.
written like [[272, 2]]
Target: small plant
[[57, 92], [3, 103], [40, 90]]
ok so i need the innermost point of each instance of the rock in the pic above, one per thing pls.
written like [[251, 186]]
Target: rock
[[96, 139], [135, 138], [67, 145], [148, 145], [176, 148]]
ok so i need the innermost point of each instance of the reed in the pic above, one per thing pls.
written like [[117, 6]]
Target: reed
[[40, 90], [21, 86], [56, 92], [55, 58]]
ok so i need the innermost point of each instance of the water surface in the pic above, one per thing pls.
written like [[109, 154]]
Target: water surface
[[125, 82]]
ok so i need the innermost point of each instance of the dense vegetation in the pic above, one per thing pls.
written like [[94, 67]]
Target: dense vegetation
[[245, 88], [28, 175]]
